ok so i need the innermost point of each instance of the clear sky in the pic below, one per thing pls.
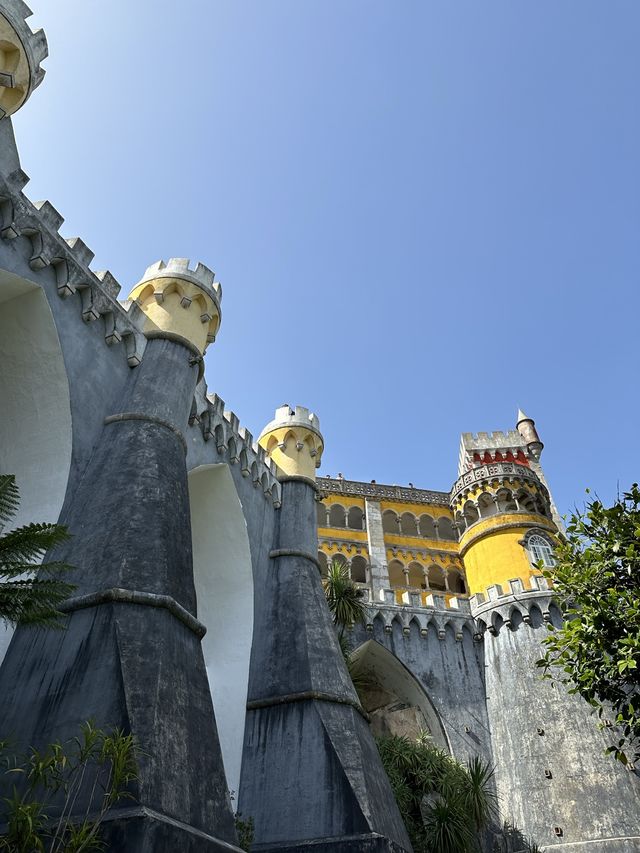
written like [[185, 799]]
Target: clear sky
[[424, 213]]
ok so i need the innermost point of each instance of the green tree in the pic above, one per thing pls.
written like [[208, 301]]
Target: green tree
[[41, 815], [596, 581], [446, 806], [346, 604], [30, 591]]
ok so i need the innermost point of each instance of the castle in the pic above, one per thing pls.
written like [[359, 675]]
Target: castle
[[199, 622]]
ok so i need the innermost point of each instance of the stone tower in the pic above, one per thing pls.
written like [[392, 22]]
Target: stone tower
[[549, 755], [130, 654], [312, 776]]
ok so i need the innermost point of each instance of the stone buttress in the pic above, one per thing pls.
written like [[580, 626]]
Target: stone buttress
[[130, 655], [312, 777]]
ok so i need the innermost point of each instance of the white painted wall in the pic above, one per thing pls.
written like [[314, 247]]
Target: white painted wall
[[224, 587], [35, 414]]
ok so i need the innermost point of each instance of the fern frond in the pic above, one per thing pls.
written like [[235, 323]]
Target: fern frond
[[28, 544], [9, 498]]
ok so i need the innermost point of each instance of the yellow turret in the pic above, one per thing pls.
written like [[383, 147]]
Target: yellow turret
[[179, 301], [503, 514], [21, 52], [294, 441]]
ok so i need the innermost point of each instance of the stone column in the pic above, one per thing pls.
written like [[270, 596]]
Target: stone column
[[130, 655], [312, 778], [377, 551]]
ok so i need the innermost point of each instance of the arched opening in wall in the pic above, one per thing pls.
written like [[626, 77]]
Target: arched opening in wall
[[224, 588], [525, 501], [390, 521], [445, 529], [456, 583], [486, 505], [461, 522], [396, 574], [436, 578], [416, 576], [505, 501], [355, 518], [337, 516], [470, 513], [322, 512], [408, 524], [427, 527], [359, 569], [35, 409], [394, 699], [324, 564]]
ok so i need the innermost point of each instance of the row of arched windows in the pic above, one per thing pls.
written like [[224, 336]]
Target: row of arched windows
[[336, 515], [416, 576], [411, 576], [504, 500], [357, 566], [408, 524]]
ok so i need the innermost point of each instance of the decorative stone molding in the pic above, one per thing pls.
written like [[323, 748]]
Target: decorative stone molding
[[498, 471], [332, 486]]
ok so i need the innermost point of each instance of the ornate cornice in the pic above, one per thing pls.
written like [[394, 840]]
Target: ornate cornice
[[494, 471], [355, 488]]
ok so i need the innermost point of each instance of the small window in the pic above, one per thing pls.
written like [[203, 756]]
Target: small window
[[540, 550]]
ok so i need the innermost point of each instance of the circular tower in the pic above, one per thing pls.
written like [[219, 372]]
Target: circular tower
[[554, 781], [21, 52]]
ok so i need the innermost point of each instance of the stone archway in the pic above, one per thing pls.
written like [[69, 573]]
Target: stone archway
[[392, 696], [224, 588], [35, 410]]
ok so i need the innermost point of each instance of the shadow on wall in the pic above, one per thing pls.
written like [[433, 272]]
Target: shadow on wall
[[392, 697], [224, 588], [35, 411]]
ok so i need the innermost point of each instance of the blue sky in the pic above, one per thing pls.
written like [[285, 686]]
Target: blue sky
[[423, 214]]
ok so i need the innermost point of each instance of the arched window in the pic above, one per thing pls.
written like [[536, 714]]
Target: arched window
[[359, 570], [390, 521], [396, 574], [445, 529], [322, 511], [540, 550], [355, 518], [437, 578], [323, 563], [427, 527], [337, 516], [486, 505], [416, 576], [408, 524], [470, 513], [456, 583]]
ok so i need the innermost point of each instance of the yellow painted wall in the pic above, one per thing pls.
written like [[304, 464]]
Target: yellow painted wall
[[344, 500], [415, 543], [497, 558], [343, 533]]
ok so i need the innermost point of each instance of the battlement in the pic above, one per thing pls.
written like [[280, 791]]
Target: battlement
[[471, 443], [201, 276], [300, 416], [20, 59], [437, 614], [235, 442]]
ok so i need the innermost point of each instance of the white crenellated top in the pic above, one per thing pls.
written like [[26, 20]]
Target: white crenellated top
[[298, 417], [201, 276]]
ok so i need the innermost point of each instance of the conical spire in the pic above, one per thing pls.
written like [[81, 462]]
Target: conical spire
[[522, 417]]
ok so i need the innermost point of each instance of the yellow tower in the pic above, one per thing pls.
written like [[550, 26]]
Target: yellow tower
[[294, 441], [21, 52], [502, 509], [181, 302]]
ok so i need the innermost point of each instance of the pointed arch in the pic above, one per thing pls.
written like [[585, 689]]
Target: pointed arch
[[386, 677]]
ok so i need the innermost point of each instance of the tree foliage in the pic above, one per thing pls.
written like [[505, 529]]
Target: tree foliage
[[446, 806], [343, 597], [596, 580], [42, 815], [30, 591]]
